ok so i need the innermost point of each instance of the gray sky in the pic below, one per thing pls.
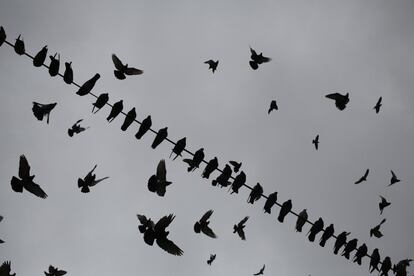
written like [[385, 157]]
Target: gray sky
[[318, 47]]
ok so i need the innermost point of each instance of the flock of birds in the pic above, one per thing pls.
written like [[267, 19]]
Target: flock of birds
[[157, 183]]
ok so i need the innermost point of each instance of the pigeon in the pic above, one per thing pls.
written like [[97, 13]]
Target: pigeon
[[236, 165], [284, 210], [158, 182], [363, 178], [54, 65], [273, 106], [300, 222], [340, 241], [76, 128], [26, 180], [89, 181], [40, 57], [349, 247], [376, 230], [2, 35], [327, 234], [196, 161], [361, 252], [161, 135], [270, 201], [378, 105], [316, 142], [42, 110], [129, 119], [239, 181], [100, 102], [239, 228], [386, 266], [375, 259], [256, 59], [19, 46], [223, 178], [5, 269], [122, 70], [54, 271], [179, 147], [115, 111], [340, 100], [212, 258], [202, 225], [383, 204], [394, 179], [144, 127], [212, 64], [68, 75], [255, 194], [212, 165], [87, 87], [315, 229], [261, 272]]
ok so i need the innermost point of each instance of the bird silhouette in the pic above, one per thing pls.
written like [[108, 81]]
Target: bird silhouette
[[19, 46], [115, 111], [179, 147], [378, 105], [42, 110], [212, 258], [300, 222], [212, 64], [146, 223], [5, 269], [316, 142], [236, 165], [273, 106], [261, 272], [327, 234], [196, 161], [202, 225], [68, 75], [239, 228], [349, 247], [340, 100], [340, 241], [129, 119], [144, 127], [223, 178], [256, 59], [26, 180], [284, 210], [270, 201], [383, 204], [239, 181], [385, 266], [315, 229], [375, 259], [54, 271], [1, 241], [76, 128], [54, 65], [361, 252], [40, 57], [161, 136], [89, 181], [3, 35], [255, 194], [363, 178], [122, 70], [394, 179], [376, 231], [158, 183], [400, 269], [87, 87], [100, 102], [212, 165]]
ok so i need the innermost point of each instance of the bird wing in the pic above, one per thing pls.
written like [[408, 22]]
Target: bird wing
[[209, 62], [60, 273], [366, 173], [206, 216], [93, 183], [1, 218], [209, 232], [379, 101], [359, 180], [383, 200], [161, 171], [5, 268], [35, 189], [133, 71], [170, 247], [78, 121], [243, 221], [24, 167], [163, 223], [253, 53], [142, 219], [117, 62], [393, 174], [240, 231], [266, 59], [333, 96]]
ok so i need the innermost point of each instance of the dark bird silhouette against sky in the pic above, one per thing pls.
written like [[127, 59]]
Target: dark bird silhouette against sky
[[284, 210], [212, 165], [68, 75], [315, 229], [256, 59], [378, 105], [329, 231], [179, 147], [144, 127], [223, 178], [375, 259], [54, 65], [160, 137], [76, 128], [158, 183], [40, 57], [261, 271], [212, 258], [19, 46], [239, 181], [315, 142], [87, 87], [239, 228], [383, 204], [394, 179], [385, 266], [361, 252], [129, 119], [5, 269], [376, 231], [363, 178], [236, 165], [100, 102], [122, 70], [340, 241], [270, 201], [3, 35], [54, 271], [42, 110], [349, 247], [400, 269], [203, 225], [301, 220], [255, 194], [340, 100], [115, 111], [212, 64], [196, 161], [273, 106], [26, 180], [89, 181]]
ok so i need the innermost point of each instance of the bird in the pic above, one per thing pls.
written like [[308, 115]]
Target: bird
[[349, 247], [239, 228], [400, 269], [383, 204], [239, 181], [340, 100], [2, 35], [87, 87], [302, 218], [144, 127], [115, 111], [375, 231], [42, 110], [195, 162], [378, 105], [212, 258], [89, 181], [161, 136], [273, 106], [316, 142], [256, 59], [212, 64], [179, 147], [54, 271], [255, 194], [284, 210], [212, 165], [76, 128], [146, 223], [363, 178], [129, 119], [202, 225], [315, 229], [40, 57], [122, 70], [100, 102], [236, 165], [361, 252], [68, 75], [26, 180], [223, 178], [19, 46], [385, 266], [340, 241], [375, 259], [327, 234], [5, 269], [54, 65], [158, 182], [394, 179], [261, 272], [270, 201]]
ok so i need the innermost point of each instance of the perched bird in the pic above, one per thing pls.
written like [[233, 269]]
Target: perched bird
[[378, 105], [89, 181], [144, 127], [284, 210], [256, 59], [361, 252], [76, 128], [129, 119], [315, 229], [316, 142], [363, 178], [236, 165], [340, 100], [270, 201], [261, 272], [26, 181], [255, 194], [349, 247], [68, 75], [202, 225], [239, 228], [383, 204], [161, 135], [19, 46], [394, 179], [54, 65], [42, 110], [386, 266], [5, 269], [212, 258], [122, 70], [212, 165], [212, 64], [273, 106], [239, 181], [196, 161], [375, 259], [87, 87], [115, 111], [376, 231], [340, 241], [158, 182], [327, 234], [2, 35], [179, 147], [40, 57], [223, 178], [300, 222], [54, 271], [100, 102]]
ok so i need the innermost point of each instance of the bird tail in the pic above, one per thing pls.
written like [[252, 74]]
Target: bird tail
[[322, 242], [17, 184], [85, 189]]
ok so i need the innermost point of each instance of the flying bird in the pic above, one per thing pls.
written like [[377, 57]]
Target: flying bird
[[376, 231], [19, 46], [239, 181], [378, 105], [375, 259], [76, 128], [315, 229], [239, 228], [284, 210], [349, 247], [89, 181], [316, 142], [386, 266], [122, 70], [212, 64], [54, 271], [236, 165], [361, 252], [179, 147], [54, 65], [202, 225], [223, 178], [270, 201], [212, 258], [363, 178], [2, 35], [255, 194], [340, 100], [42, 110], [340, 241], [100, 102], [144, 127], [87, 87], [146, 223], [256, 59], [273, 106], [161, 135], [26, 180], [300, 222], [115, 111], [394, 179], [5, 269], [261, 272], [129, 119], [40, 57], [212, 165], [68, 75], [327, 234], [158, 183], [196, 161], [383, 204]]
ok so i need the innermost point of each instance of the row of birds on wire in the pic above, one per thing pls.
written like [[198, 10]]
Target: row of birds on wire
[[157, 183]]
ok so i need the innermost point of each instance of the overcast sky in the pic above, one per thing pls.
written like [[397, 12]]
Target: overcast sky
[[318, 47]]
